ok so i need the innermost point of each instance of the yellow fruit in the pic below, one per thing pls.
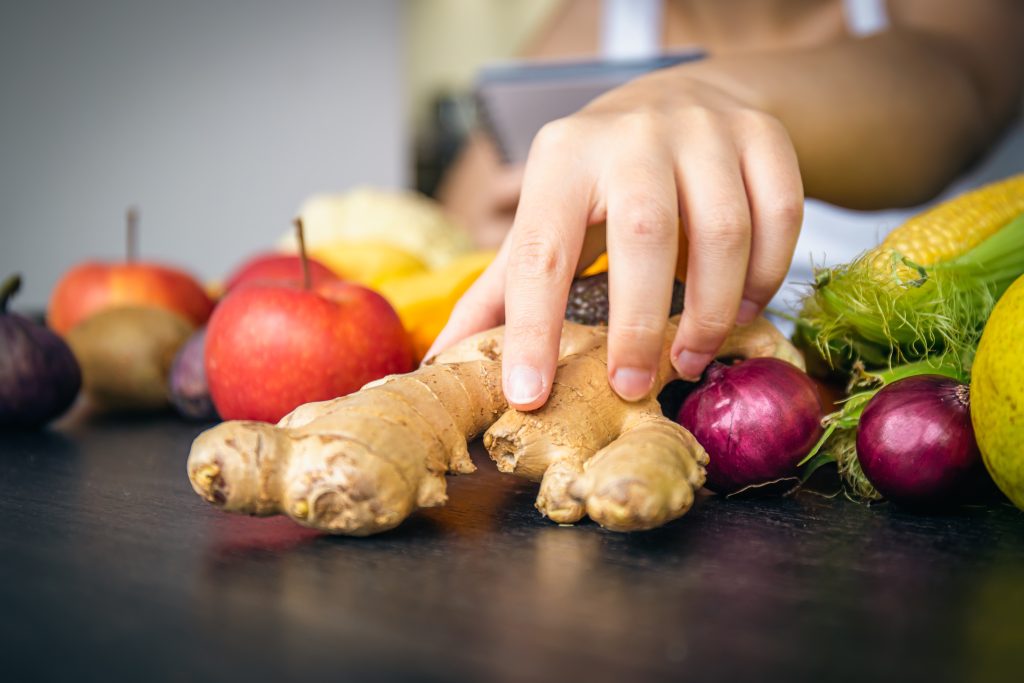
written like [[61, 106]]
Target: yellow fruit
[[424, 322], [368, 263], [599, 265], [425, 300], [404, 219], [997, 393]]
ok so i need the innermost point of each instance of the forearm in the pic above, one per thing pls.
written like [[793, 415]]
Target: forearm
[[877, 122]]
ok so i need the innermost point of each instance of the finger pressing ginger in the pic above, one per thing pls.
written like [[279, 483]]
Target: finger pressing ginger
[[361, 464]]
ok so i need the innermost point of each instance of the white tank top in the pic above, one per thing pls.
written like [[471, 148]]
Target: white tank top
[[830, 234]]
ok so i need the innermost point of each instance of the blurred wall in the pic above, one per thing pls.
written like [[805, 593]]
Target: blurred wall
[[449, 40], [215, 117]]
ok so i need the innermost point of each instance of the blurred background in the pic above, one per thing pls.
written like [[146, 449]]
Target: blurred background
[[217, 119]]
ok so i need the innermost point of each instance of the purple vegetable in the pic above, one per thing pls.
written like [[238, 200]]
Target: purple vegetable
[[756, 420], [190, 394], [39, 376], [915, 441]]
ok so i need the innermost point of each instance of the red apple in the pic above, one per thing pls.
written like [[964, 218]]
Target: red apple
[[92, 287], [267, 268], [272, 347]]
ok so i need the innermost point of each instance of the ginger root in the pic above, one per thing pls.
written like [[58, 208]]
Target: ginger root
[[361, 464]]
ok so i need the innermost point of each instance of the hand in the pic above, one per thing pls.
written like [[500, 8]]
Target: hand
[[662, 155]]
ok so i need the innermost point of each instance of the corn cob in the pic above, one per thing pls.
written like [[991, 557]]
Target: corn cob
[[954, 227], [928, 288]]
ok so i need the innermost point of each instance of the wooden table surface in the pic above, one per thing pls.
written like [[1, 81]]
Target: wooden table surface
[[110, 568]]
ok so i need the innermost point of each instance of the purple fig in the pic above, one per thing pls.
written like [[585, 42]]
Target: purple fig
[[39, 376]]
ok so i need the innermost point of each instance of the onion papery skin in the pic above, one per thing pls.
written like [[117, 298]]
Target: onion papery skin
[[915, 441], [756, 419]]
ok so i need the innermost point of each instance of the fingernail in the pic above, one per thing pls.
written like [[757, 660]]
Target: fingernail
[[748, 311], [690, 364], [431, 352], [524, 384], [632, 383], [429, 355]]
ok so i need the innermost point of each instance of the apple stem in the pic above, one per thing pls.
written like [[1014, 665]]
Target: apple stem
[[131, 234], [307, 281], [8, 289]]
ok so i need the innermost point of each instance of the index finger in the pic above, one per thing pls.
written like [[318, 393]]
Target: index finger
[[545, 243]]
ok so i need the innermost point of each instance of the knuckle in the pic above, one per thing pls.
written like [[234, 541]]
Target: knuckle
[[646, 221], [537, 257], [640, 331], [786, 213], [710, 327], [643, 122], [527, 329], [554, 135], [724, 230], [756, 120], [702, 117]]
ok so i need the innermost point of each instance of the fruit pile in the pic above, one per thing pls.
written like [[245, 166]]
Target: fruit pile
[[376, 281], [399, 244]]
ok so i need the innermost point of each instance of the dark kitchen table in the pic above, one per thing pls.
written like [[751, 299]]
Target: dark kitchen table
[[111, 568]]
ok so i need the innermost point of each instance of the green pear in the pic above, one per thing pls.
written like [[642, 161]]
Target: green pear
[[126, 355]]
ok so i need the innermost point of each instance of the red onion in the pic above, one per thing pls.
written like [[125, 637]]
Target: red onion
[[756, 420], [915, 441]]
